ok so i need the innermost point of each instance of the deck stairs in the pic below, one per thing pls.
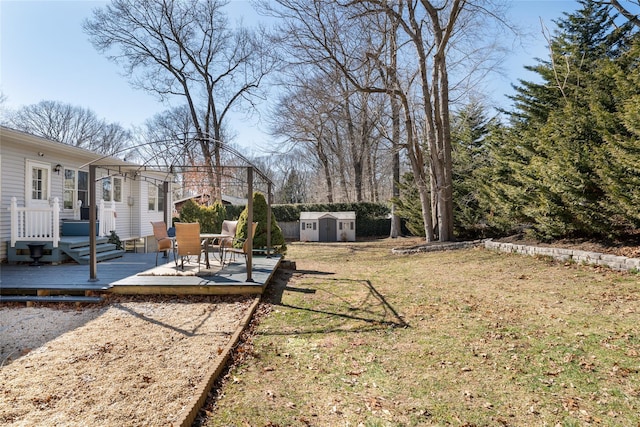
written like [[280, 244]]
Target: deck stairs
[[69, 248], [79, 250]]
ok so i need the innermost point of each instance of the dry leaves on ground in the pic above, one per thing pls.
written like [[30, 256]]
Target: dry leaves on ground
[[131, 362]]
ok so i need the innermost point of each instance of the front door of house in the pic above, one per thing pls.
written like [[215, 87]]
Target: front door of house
[[327, 231]]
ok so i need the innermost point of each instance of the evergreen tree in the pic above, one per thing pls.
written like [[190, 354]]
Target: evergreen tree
[[500, 193], [617, 110], [293, 189], [470, 126], [554, 137], [408, 206]]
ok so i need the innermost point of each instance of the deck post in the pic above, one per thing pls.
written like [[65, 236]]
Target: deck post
[[269, 219], [93, 261], [14, 221], [249, 222], [165, 207], [55, 223], [101, 218]]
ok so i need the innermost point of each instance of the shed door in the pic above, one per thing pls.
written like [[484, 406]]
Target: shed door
[[327, 230]]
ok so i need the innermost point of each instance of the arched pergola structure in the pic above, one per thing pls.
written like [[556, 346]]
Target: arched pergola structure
[[252, 172]]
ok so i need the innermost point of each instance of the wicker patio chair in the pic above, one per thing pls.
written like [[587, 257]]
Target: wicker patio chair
[[188, 242], [164, 243], [245, 249], [228, 229]]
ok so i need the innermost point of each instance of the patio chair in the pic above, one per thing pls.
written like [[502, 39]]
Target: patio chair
[[228, 229], [245, 249], [163, 241], [188, 243]]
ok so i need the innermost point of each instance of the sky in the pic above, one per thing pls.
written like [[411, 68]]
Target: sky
[[45, 55]]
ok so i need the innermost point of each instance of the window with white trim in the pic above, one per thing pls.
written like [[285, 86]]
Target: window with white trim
[[39, 184], [75, 187], [112, 189], [160, 197], [153, 196], [70, 189]]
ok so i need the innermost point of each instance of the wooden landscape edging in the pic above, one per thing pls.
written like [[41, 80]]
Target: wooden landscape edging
[[190, 413], [437, 246]]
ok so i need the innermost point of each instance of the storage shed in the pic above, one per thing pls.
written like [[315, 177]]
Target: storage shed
[[328, 226]]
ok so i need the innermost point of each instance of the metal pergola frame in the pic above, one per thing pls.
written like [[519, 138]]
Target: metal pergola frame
[[251, 170]]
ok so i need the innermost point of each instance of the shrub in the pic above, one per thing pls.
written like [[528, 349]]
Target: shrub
[[260, 208], [210, 218]]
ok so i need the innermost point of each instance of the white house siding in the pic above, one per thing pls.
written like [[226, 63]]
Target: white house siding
[[16, 148], [146, 215], [134, 209], [13, 169]]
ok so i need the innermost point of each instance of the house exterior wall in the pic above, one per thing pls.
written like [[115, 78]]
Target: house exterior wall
[[146, 215], [14, 157], [18, 148]]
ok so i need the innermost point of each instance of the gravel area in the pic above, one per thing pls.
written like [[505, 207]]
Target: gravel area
[[131, 361]]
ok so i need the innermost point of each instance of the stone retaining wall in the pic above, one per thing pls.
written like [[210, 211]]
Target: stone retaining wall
[[614, 262]]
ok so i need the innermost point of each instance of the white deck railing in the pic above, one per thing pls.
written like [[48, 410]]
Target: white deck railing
[[43, 224], [35, 224]]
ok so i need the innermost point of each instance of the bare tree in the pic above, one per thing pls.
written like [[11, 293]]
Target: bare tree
[[343, 125], [70, 125], [3, 100], [433, 38], [165, 141], [185, 49], [303, 119]]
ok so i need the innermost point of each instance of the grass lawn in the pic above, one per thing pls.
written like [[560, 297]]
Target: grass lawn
[[359, 337]]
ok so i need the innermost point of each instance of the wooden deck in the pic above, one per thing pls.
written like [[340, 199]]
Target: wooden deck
[[120, 276]]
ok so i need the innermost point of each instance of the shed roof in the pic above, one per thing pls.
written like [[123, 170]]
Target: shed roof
[[320, 215]]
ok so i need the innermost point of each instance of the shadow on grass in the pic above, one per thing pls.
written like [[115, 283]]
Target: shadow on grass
[[374, 309]]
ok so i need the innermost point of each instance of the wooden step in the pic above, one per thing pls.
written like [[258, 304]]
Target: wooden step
[[79, 242], [89, 286], [101, 256], [85, 250], [49, 298]]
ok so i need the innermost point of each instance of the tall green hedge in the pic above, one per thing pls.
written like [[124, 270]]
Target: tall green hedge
[[372, 218], [364, 210], [209, 217]]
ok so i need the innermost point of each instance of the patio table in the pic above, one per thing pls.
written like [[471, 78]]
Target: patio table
[[210, 238]]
